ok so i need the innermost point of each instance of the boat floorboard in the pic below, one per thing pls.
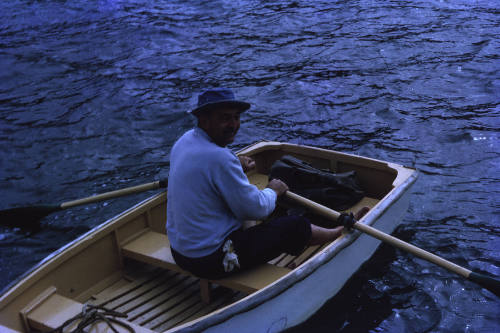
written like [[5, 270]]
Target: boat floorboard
[[160, 299]]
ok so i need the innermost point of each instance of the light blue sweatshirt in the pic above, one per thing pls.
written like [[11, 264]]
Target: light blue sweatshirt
[[209, 195]]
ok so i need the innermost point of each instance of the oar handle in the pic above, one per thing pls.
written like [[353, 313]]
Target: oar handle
[[118, 193], [331, 214]]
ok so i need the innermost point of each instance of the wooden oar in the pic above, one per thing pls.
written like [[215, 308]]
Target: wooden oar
[[29, 217], [488, 282]]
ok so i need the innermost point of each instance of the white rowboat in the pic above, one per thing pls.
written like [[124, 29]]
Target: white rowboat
[[125, 264]]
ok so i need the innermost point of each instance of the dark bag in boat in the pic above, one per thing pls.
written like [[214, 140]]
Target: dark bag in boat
[[338, 191]]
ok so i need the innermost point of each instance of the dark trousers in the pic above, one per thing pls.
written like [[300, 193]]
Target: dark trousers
[[253, 246]]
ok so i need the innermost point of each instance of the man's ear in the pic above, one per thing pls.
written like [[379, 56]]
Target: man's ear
[[203, 119]]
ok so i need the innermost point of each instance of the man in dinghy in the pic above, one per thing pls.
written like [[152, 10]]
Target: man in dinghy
[[209, 198]]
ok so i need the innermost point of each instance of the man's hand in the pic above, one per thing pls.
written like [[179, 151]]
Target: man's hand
[[278, 186], [247, 163]]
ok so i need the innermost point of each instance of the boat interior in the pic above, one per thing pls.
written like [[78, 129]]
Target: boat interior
[[126, 265]]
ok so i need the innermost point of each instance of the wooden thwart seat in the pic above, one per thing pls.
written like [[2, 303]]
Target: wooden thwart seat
[[50, 310], [154, 248]]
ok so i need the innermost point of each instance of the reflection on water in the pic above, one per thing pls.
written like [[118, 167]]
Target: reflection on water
[[92, 97]]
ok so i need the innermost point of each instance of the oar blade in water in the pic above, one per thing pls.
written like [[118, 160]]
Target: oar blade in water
[[26, 217], [487, 282]]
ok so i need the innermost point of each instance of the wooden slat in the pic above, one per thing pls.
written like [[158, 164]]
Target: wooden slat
[[174, 287], [109, 293], [171, 307], [169, 301], [150, 293], [276, 260], [57, 309], [145, 296], [175, 314], [187, 313], [222, 298], [103, 327], [124, 286], [192, 310], [141, 290], [306, 254], [288, 259], [99, 286]]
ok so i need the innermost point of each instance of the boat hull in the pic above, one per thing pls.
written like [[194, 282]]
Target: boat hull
[[96, 262]]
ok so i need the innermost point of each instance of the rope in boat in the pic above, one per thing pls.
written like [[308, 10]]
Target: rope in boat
[[92, 314]]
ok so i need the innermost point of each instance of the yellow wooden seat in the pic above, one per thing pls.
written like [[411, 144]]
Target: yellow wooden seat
[[154, 248], [50, 310]]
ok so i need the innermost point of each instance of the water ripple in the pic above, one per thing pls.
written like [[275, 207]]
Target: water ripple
[[92, 97]]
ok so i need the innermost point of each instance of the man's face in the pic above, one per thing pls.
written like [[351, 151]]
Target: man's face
[[221, 125]]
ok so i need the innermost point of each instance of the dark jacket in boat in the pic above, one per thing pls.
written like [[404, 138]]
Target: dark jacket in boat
[[338, 191]]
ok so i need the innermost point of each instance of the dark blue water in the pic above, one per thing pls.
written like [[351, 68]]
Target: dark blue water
[[94, 94]]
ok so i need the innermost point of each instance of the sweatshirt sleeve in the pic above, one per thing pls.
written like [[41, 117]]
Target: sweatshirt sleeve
[[244, 200]]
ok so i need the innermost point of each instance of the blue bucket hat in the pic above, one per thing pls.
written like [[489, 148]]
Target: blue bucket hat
[[220, 97]]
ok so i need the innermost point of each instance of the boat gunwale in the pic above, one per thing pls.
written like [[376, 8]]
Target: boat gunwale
[[263, 145], [311, 265]]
